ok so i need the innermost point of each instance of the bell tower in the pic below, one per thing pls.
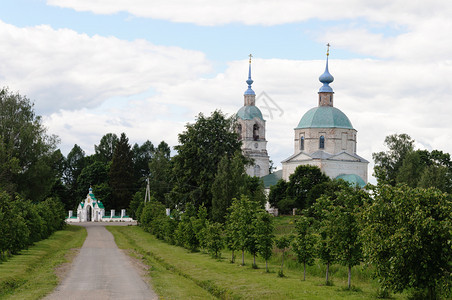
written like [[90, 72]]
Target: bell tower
[[251, 131]]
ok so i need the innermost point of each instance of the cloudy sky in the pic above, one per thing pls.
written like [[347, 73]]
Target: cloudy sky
[[148, 67]]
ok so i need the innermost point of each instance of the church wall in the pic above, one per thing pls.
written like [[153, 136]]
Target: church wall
[[263, 164], [336, 140], [331, 168]]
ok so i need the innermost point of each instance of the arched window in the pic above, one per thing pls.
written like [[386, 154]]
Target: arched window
[[239, 131], [257, 171], [302, 143], [255, 132], [322, 142]]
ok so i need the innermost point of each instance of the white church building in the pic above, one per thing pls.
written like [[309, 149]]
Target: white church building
[[324, 137]]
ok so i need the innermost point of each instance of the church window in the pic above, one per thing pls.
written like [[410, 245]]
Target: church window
[[302, 143], [255, 132], [322, 142], [239, 131], [257, 171]]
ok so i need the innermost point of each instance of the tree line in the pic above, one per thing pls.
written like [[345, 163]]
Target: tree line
[[29, 169]]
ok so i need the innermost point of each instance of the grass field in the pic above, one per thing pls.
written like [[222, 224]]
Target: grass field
[[176, 273], [31, 275]]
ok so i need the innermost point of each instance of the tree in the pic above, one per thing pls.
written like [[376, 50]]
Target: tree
[[387, 164], [137, 200], [283, 243], [411, 169], [74, 164], [328, 188], [200, 225], [202, 146], [228, 183], [240, 225], [106, 148], [160, 177], [304, 243], [302, 181], [142, 155], [438, 177], [324, 247], [94, 175], [214, 238], [152, 218], [345, 230], [26, 157], [14, 233], [407, 237], [264, 235], [278, 193], [122, 181], [187, 231], [253, 187]]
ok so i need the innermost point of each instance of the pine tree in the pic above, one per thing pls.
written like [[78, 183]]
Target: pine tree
[[121, 174]]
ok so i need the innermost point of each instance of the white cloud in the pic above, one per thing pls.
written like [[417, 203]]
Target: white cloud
[[265, 12], [68, 70]]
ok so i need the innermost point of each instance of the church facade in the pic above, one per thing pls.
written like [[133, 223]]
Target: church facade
[[251, 130], [325, 138]]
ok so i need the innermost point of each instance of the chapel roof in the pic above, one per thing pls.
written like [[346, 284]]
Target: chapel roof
[[271, 179]]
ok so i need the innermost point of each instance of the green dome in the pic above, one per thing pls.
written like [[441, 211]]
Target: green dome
[[249, 113], [325, 117], [353, 179]]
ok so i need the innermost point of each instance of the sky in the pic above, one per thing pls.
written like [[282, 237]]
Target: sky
[[149, 67]]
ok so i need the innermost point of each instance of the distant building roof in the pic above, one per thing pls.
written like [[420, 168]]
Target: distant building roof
[[272, 179], [353, 179]]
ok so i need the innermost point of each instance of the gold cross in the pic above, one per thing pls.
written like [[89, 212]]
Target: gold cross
[[250, 57], [328, 49]]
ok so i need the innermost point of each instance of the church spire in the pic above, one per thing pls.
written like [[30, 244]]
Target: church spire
[[250, 96], [250, 81], [326, 78], [325, 91]]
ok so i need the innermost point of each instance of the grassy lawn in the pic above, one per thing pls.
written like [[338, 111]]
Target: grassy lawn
[[176, 273], [31, 275]]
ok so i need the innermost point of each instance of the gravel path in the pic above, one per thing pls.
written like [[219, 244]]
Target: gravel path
[[102, 271]]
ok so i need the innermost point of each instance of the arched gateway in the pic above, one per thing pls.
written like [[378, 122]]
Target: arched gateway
[[93, 210]]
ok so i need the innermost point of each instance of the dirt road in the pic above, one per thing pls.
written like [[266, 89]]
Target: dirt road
[[102, 271]]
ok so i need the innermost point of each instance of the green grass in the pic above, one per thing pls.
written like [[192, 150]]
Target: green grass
[[284, 225], [31, 274], [176, 273]]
